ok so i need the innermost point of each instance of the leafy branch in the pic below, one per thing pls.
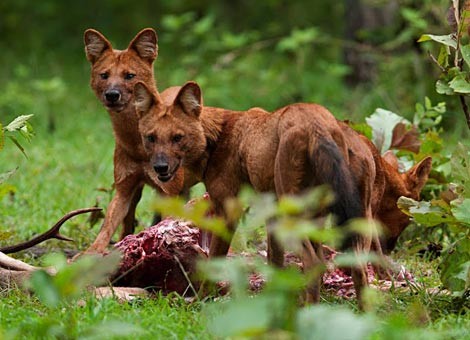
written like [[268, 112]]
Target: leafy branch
[[19, 125], [455, 75]]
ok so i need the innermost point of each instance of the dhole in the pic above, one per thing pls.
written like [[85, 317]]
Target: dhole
[[292, 149], [387, 183], [113, 76]]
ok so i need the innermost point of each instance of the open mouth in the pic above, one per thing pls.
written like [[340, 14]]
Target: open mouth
[[168, 174], [164, 177], [115, 106]]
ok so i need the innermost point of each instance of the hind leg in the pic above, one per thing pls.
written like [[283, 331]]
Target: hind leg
[[359, 271], [290, 163], [313, 262], [275, 249], [289, 173]]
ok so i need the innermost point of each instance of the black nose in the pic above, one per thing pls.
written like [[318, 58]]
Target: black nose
[[161, 164], [112, 95], [161, 168]]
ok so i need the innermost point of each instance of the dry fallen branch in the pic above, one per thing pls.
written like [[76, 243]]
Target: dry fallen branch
[[51, 233]]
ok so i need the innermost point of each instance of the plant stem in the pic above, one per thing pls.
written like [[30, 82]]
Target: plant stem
[[465, 109]]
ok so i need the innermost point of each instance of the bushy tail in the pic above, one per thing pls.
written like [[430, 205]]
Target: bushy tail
[[330, 167]]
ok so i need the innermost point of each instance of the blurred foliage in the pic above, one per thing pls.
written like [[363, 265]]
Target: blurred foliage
[[275, 312], [267, 54]]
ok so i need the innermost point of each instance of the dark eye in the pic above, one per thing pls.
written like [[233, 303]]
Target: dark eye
[[150, 138], [104, 75], [177, 138], [129, 76]]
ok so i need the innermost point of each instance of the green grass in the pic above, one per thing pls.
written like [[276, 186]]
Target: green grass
[[23, 316]]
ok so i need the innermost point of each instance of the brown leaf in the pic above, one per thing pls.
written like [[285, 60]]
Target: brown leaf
[[404, 139]]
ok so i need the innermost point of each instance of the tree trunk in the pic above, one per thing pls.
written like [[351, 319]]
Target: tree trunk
[[362, 16]]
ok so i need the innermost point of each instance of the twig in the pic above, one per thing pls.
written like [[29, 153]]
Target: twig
[[187, 277], [464, 105], [433, 58]]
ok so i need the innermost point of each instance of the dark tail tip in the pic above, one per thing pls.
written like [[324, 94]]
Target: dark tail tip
[[330, 168]]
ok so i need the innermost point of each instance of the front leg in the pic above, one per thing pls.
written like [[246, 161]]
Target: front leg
[[117, 210], [219, 246], [129, 222]]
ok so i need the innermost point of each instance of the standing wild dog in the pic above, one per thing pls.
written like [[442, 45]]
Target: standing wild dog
[[292, 149], [388, 184], [113, 76]]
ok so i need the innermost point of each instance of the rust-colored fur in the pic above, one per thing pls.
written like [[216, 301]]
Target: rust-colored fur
[[113, 76], [292, 149], [387, 183], [408, 184]]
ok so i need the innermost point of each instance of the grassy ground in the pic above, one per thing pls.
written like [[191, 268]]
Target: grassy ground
[[24, 316]]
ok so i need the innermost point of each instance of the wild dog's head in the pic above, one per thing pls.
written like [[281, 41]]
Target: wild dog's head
[[171, 131], [115, 72], [408, 184]]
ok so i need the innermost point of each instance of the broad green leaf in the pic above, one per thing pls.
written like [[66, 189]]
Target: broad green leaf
[[72, 280], [283, 279], [426, 213], [459, 84], [448, 40], [461, 211], [325, 322], [43, 285], [465, 50], [247, 317], [290, 205], [460, 163], [235, 271], [443, 57], [262, 208], [88, 270], [382, 123], [455, 266], [427, 103]]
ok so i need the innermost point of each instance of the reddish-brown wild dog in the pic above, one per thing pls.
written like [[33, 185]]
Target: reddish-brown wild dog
[[113, 76], [292, 149]]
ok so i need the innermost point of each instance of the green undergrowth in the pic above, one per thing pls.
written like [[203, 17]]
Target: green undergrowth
[[24, 316]]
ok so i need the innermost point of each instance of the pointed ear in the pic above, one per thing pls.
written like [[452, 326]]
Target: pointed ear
[[418, 175], [144, 99], [145, 44], [189, 98], [95, 45], [391, 159]]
